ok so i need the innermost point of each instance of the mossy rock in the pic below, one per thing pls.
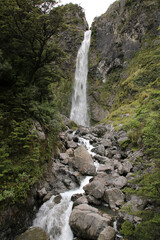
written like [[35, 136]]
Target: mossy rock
[[35, 233]]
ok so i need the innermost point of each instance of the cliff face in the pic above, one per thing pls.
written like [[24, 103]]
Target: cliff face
[[116, 37], [69, 39]]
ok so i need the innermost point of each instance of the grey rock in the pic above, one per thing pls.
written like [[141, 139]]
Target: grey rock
[[95, 188], [114, 197], [99, 150], [93, 201], [81, 200], [120, 181], [83, 161], [71, 144], [108, 168], [57, 199], [86, 222], [107, 234], [106, 143]]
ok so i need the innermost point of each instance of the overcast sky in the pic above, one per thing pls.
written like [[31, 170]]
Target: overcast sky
[[93, 8]]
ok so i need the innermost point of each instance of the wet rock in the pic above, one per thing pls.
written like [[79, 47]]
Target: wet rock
[[48, 196], [86, 222], [57, 199], [107, 234], [83, 161], [114, 197], [35, 233], [76, 196]]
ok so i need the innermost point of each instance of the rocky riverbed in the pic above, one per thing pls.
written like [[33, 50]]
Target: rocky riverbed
[[89, 220]]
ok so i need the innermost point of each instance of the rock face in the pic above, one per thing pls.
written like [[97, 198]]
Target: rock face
[[116, 37], [83, 161], [34, 233]]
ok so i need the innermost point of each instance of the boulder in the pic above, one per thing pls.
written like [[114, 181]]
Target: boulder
[[83, 162], [120, 182], [71, 144], [95, 188], [107, 234], [35, 233], [93, 201], [108, 168], [114, 197], [99, 150], [101, 159], [106, 143], [81, 200], [86, 222]]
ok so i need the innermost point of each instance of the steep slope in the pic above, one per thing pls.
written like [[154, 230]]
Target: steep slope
[[124, 80], [116, 37]]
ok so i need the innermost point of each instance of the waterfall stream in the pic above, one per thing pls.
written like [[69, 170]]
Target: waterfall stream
[[79, 109], [53, 217]]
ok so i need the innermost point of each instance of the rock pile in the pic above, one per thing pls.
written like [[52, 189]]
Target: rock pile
[[114, 168]]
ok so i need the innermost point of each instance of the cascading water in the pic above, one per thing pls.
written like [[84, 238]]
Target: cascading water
[[79, 110], [54, 218]]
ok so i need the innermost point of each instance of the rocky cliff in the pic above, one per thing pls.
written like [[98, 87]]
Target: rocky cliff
[[117, 36]]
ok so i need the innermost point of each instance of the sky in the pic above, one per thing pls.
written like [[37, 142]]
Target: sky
[[92, 8]]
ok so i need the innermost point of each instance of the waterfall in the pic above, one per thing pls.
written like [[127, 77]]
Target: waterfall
[[79, 110]]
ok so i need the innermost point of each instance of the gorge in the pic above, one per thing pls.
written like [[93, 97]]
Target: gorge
[[43, 155]]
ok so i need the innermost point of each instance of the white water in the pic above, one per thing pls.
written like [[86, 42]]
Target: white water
[[79, 109], [54, 218]]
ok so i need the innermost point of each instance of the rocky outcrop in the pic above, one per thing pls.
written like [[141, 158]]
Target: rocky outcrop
[[116, 36]]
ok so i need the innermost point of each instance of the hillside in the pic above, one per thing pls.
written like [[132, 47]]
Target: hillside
[[124, 81]]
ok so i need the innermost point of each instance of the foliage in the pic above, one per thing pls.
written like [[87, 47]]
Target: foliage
[[137, 111], [28, 68], [127, 229]]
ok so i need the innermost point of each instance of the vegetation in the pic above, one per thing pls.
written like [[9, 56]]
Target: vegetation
[[28, 69], [137, 110], [132, 94]]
